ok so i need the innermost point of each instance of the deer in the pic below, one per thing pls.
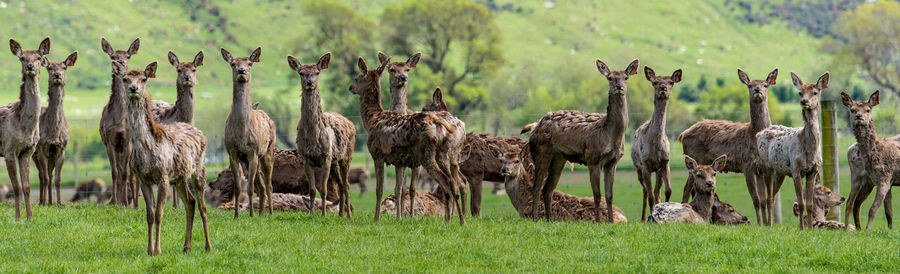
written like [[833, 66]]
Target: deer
[[825, 199], [325, 139], [249, 134], [700, 209], [94, 187], [881, 157], [163, 154], [417, 139], [19, 131], [650, 146], [113, 131], [707, 139], [594, 139], [795, 151], [859, 178], [50, 152]]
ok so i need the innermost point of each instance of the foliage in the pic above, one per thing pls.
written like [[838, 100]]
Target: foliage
[[869, 35], [731, 102], [816, 17]]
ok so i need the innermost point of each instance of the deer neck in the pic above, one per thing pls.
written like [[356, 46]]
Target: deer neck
[[702, 204], [311, 112], [117, 97], [240, 103], [142, 128], [29, 100], [370, 102], [54, 111], [616, 113], [759, 116], [184, 104], [810, 135], [518, 189], [398, 96], [657, 127], [865, 139]]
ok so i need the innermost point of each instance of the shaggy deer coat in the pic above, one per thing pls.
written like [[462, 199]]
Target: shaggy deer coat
[[825, 199], [860, 180], [707, 139], [700, 210], [113, 131], [19, 132], [50, 152], [594, 139]]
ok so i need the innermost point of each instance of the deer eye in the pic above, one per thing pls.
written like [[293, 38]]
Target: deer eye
[[232, 64], [609, 78], [124, 80], [193, 70], [852, 111], [815, 93], [144, 80]]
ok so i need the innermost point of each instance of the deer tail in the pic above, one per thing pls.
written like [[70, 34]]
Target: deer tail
[[528, 128], [447, 126]]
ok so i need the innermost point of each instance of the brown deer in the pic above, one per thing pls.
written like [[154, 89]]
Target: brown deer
[[417, 139], [700, 210], [594, 139], [325, 139], [50, 152], [825, 199], [163, 154], [19, 132], [881, 157], [113, 131], [650, 146], [859, 180], [724, 214], [94, 187], [795, 151], [707, 139], [249, 133]]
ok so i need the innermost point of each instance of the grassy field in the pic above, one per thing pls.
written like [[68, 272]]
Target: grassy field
[[89, 238]]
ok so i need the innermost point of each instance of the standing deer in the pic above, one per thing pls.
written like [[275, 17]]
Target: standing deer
[[594, 139], [707, 139], [163, 154], [19, 132], [418, 139], [859, 180], [795, 151], [325, 139], [113, 131], [183, 109], [650, 146], [881, 157], [249, 134], [50, 152]]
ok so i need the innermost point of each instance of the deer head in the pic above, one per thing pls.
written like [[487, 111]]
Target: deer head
[[31, 60], [135, 81], [240, 66], [704, 176], [759, 89], [309, 73], [120, 56], [860, 112], [825, 199], [57, 71], [618, 80], [399, 71], [187, 71], [723, 213], [810, 93], [437, 102], [662, 84], [367, 77]]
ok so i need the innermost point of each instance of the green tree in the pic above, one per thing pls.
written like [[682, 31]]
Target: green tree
[[459, 39], [869, 36]]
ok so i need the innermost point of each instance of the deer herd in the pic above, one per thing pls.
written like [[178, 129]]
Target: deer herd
[[155, 143]]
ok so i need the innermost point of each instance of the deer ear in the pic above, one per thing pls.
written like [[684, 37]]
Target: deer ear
[[382, 56], [293, 62], [796, 209], [797, 82], [846, 99], [362, 65], [150, 71], [632, 68], [873, 100], [70, 61], [106, 47], [44, 61], [44, 48], [743, 76], [226, 55], [719, 163], [380, 68], [676, 76], [649, 73], [437, 96], [414, 59], [772, 76], [15, 48], [135, 46], [198, 59], [254, 56], [324, 61], [173, 59], [690, 163], [822, 83], [118, 69], [602, 67]]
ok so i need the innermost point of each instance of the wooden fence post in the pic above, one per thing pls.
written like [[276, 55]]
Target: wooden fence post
[[830, 177]]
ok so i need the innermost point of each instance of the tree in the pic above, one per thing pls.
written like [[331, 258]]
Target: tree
[[443, 28], [869, 37]]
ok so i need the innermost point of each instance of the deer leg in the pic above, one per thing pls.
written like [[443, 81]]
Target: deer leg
[[125, 172], [325, 171], [400, 176], [24, 162], [688, 190], [888, 210], [174, 198], [663, 174], [343, 186], [610, 178], [851, 199], [236, 171], [645, 189], [798, 188], [17, 189], [42, 199], [754, 195], [811, 181], [762, 195], [475, 187], [60, 160], [253, 166], [114, 166], [179, 190], [775, 187], [379, 185], [556, 167], [162, 191], [596, 173], [541, 171], [200, 187], [413, 180], [864, 192], [148, 194], [268, 165], [764, 190], [880, 192], [459, 187]]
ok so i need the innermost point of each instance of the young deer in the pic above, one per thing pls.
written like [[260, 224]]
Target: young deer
[[113, 131], [50, 152], [650, 146], [325, 139], [163, 154], [825, 199], [700, 210], [882, 157], [249, 134], [417, 139], [795, 151], [19, 132], [707, 139], [859, 180], [594, 139]]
